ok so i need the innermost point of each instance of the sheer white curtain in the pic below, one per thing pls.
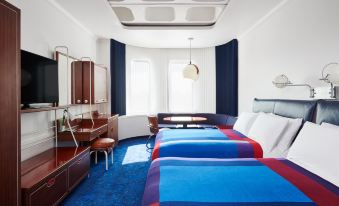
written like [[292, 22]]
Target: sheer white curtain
[[139, 89], [154, 81], [180, 90]]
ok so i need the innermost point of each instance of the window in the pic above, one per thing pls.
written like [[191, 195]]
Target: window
[[139, 87], [180, 89]]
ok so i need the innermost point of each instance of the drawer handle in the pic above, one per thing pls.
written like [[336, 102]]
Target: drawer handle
[[51, 182]]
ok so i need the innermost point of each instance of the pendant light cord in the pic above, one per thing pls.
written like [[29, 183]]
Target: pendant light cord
[[190, 50]]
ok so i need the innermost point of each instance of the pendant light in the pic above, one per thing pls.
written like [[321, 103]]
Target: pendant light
[[191, 71]]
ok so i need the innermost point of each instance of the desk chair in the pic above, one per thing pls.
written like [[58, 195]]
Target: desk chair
[[102, 145], [153, 127]]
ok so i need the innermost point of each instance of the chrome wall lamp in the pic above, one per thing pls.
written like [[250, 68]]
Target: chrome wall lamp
[[282, 81], [328, 77]]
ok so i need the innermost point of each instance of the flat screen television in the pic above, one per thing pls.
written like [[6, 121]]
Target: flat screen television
[[39, 79]]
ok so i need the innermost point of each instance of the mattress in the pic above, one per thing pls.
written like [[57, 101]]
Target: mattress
[[246, 181], [205, 143]]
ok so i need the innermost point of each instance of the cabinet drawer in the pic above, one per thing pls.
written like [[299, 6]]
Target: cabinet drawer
[[78, 169], [51, 192]]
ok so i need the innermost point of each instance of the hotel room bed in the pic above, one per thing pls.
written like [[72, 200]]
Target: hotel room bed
[[194, 181], [207, 143], [309, 175], [226, 143]]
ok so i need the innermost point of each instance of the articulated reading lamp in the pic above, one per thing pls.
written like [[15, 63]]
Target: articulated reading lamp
[[282, 81]]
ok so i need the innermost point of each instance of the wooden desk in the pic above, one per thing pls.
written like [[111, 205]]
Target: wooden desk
[[84, 133], [104, 125]]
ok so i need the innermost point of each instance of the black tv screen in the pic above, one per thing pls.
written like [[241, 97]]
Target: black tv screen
[[39, 79]]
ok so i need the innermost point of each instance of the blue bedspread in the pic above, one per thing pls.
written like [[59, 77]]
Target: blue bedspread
[[205, 143], [201, 182]]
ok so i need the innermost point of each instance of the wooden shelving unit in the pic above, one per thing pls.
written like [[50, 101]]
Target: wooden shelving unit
[[44, 109]]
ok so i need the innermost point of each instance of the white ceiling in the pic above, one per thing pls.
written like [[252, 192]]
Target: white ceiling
[[238, 17]]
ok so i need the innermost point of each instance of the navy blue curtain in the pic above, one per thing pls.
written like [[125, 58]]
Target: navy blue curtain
[[227, 78], [118, 78]]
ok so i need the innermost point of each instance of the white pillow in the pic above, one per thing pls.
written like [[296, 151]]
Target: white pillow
[[287, 136], [316, 149], [325, 124], [244, 122], [267, 131]]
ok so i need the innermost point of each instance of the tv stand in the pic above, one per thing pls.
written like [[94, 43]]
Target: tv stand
[[26, 106], [39, 105], [47, 178]]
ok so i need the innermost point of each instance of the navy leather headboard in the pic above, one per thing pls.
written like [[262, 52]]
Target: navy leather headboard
[[327, 111], [287, 108]]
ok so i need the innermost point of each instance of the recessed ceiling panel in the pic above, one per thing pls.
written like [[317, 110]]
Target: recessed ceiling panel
[[124, 14], [159, 14], [200, 14], [168, 12]]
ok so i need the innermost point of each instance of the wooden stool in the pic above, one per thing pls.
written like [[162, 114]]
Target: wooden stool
[[102, 145]]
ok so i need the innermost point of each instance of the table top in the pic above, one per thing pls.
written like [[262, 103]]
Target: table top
[[185, 119], [38, 167]]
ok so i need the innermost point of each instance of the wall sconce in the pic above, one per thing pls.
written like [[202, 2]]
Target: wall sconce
[[282, 81], [330, 77]]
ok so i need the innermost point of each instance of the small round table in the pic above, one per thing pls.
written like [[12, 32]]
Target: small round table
[[185, 120]]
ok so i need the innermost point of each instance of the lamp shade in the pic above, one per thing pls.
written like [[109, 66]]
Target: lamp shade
[[331, 71], [281, 81], [191, 71]]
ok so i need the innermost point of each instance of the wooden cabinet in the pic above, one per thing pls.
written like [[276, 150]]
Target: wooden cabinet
[[10, 104], [112, 128], [89, 83], [100, 85], [77, 170], [49, 177], [76, 82], [52, 191]]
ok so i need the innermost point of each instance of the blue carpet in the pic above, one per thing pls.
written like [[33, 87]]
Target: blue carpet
[[123, 183]]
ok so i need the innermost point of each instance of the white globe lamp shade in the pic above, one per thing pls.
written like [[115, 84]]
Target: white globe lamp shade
[[333, 73], [281, 81], [191, 71]]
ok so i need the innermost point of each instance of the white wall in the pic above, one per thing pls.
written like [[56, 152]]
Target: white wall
[[298, 39], [44, 26]]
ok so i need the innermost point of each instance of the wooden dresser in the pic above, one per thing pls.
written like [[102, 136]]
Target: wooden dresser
[[47, 178]]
